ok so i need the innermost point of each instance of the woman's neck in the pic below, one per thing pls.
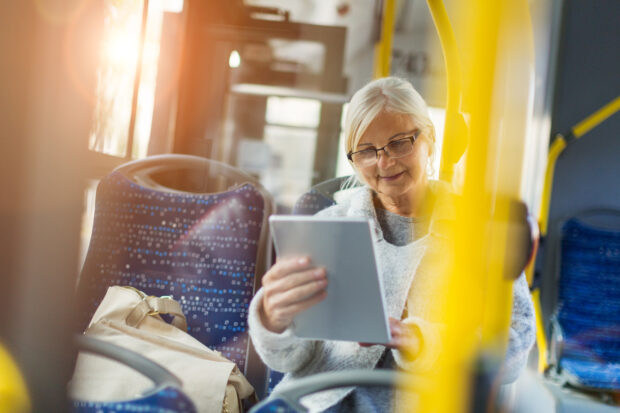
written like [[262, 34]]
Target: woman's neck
[[411, 204]]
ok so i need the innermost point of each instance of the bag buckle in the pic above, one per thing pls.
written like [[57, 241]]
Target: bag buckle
[[153, 311]]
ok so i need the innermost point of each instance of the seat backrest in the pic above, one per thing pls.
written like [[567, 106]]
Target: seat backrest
[[589, 287], [320, 196], [159, 227]]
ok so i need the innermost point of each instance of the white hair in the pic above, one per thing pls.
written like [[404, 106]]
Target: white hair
[[390, 94]]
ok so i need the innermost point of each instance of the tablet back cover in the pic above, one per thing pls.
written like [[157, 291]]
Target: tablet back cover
[[353, 309]]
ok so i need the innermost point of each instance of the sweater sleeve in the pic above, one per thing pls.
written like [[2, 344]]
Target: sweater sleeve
[[522, 331], [282, 352]]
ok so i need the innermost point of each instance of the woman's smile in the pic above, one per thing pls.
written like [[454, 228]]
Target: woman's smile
[[391, 177]]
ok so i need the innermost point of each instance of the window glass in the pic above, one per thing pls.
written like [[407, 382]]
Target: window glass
[[293, 112], [291, 169], [148, 74], [116, 76]]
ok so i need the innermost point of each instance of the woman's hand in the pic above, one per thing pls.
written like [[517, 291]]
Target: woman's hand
[[291, 286], [405, 337]]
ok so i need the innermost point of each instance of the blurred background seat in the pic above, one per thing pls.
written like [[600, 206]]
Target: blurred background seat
[[320, 196], [586, 335]]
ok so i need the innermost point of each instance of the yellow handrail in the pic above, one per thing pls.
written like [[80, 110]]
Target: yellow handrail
[[541, 339], [558, 146], [596, 118], [475, 305], [556, 149], [383, 49], [455, 131]]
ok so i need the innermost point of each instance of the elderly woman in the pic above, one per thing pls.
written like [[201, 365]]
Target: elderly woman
[[389, 141]]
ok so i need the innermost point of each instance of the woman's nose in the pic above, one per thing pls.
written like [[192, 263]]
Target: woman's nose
[[383, 160]]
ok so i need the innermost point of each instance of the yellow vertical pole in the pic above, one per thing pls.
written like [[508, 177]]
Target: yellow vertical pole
[[455, 130], [383, 49], [478, 294]]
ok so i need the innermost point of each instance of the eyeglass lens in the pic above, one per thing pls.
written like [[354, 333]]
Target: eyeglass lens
[[394, 149]]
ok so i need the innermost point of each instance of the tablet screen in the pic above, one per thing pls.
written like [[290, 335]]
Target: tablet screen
[[354, 309]]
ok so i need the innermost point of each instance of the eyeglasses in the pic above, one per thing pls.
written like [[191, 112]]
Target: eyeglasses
[[395, 149]]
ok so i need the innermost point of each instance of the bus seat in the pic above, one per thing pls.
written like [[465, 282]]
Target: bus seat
[[320, 196], [164, 396], [586, 325], [189, 227]]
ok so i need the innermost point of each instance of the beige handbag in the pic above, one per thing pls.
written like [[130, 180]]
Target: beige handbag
[[130, 319]]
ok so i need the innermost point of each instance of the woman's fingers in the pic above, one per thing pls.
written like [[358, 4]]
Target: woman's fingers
[[297, 279], [405, 337], [299, 293], [397, 333], [300, 306], [279, 318], [396, 326], [284, 267], [290, 286]]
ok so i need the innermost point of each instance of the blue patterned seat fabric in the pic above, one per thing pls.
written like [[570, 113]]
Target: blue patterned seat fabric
[[320, 196], [199, 248], [312, 202], [166, 400], [589, 305]]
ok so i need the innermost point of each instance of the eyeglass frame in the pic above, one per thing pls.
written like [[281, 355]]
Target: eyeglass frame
[[413, 138]]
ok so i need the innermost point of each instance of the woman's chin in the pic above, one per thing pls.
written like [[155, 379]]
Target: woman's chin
[[392, 190], [397, 188]]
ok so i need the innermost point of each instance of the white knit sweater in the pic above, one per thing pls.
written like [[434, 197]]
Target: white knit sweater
[[398, 265]]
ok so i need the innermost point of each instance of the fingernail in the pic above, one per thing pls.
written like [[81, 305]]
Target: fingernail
[[303, 260], [319, 272]]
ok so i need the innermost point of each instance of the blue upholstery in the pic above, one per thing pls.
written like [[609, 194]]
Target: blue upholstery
[[200, 248], [319, 196], [589, 305], [312, 202], [166, 400], [274, 378]]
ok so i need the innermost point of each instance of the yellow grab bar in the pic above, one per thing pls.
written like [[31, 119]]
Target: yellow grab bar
[[557, 147], [455, 131], [383, 49], [596, 118]]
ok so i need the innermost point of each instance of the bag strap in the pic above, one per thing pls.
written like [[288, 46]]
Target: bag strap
[[150, 306]]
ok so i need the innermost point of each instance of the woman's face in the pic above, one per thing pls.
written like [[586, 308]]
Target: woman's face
[[389, 177]]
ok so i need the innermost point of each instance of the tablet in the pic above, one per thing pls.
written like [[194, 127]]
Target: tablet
[[354, 309]]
